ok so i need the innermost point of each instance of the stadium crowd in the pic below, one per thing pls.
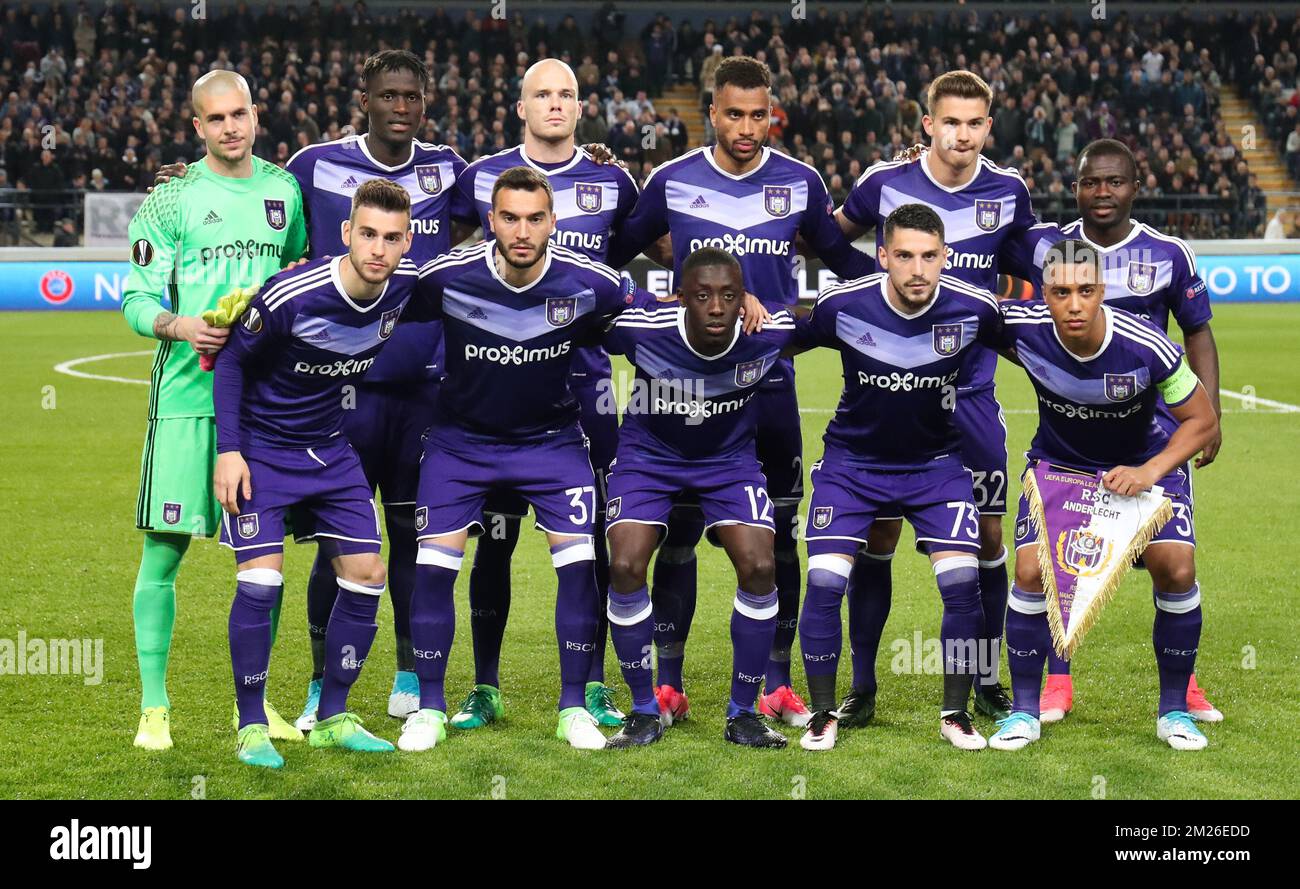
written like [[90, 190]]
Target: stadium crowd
[[95, 99]]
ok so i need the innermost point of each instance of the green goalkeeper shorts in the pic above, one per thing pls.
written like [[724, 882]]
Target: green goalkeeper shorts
[[176, 478]]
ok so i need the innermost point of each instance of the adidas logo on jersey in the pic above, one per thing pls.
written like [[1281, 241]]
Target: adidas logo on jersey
[[211, 217], [477, 314], [699, 203], [350, 182], [866, 340]]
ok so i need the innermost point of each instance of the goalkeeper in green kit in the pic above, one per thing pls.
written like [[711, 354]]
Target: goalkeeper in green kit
[[232, 222]]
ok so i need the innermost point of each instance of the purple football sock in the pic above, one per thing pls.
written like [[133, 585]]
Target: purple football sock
[[322, 587], [402, 549], [256, 592], [753, 624], [673, 593], [1176, 634], [788, 581], [1057, 665], [575, 617], [960, 629], [603, 631], [821, 633], [993, 602], [871, 588], [433, 620], [348, 638], [489, 596], [1029, 641], [631, 626]]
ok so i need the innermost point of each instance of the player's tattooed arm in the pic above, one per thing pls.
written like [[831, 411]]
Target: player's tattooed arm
[[166, 172], [1203, 356], [910, 154], [202, 337], [601, 154]]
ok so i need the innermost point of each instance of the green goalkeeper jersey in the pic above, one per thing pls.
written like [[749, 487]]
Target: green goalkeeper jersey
[[193, 240]]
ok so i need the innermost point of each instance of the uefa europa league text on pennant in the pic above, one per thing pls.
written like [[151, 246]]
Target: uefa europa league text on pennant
[[1088, 538]]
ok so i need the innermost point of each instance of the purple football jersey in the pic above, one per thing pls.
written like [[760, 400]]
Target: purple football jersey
[[279, 380], [685, 406], [978, 218], [1097, 412], [590, 199], [330, 172], [755, 217], [509, 350], [900, 371]]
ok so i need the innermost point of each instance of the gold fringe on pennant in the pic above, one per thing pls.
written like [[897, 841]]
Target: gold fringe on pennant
[[1141, 540]]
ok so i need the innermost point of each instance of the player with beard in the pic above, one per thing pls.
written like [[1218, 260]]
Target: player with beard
[[983, 207], [1154, 276], [591, 197], [755, 203]]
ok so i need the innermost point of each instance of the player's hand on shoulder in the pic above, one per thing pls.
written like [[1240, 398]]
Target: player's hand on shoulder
[[297, 262], [231, 480], [167, 172], [910, 154], [754, 314], [1129, 480], [601, 154], [1211, 450]]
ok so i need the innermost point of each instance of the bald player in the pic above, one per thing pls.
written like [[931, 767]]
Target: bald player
[[233, 221]]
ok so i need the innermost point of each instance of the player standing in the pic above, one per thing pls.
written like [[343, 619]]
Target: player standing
[[754, 203], [688, 430], [1152, 275], [893, 447], [590, 199], [233, 222], [506, 420], [1098, 372], [982, 207], [279, 395], [393, 403]]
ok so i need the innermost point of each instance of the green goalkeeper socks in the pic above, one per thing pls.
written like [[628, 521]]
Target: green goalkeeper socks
[[155, 613]]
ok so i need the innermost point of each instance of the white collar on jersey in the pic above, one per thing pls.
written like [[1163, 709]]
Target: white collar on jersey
[[764, 154], [681, 329], [951, 189], [1110, 329], [884, 294], [1132, 233], [572, 162], [337, 278], [489, 256], [361, 142]]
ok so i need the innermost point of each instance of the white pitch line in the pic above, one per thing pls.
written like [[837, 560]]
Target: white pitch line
[[66, 367], [1280, 407]]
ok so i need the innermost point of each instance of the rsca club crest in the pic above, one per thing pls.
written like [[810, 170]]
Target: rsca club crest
[[172, 513], [275, 215], [248, 526], [561, 310], [987, 215], [613, 508], [947, 339], [1120, 387], [821, 517], [588, 196], [776, 200], [1022, 528], [1141, 277], [749, 372], [421, 518], [1081, 552], [387, 322], [429, 177]]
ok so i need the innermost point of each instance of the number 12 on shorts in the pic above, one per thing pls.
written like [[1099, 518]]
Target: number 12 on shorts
[[760, 505]]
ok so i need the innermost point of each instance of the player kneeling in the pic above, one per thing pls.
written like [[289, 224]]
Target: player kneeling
[[1098, 372], [688, 434], [279, 402]]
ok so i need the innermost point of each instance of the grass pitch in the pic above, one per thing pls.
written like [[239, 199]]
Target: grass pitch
[[71, 449]]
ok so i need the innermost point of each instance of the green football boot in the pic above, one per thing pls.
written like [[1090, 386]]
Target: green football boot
[[255, 748], [600, 704], [482, 705], [344, 730]]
